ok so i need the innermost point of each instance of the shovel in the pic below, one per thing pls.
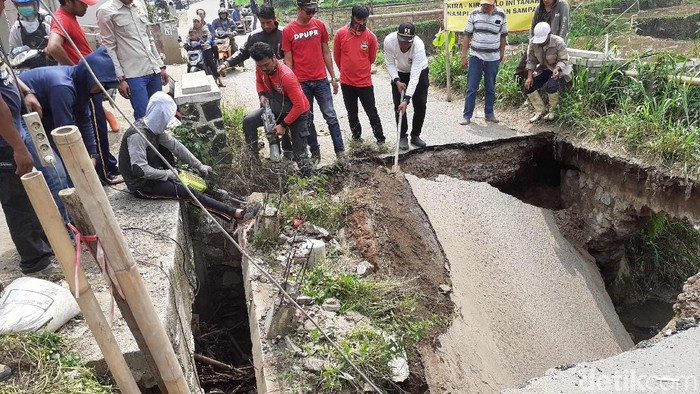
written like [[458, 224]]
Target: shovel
[[395, 167]]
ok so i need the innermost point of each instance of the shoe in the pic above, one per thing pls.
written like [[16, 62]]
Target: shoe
[[553, 104], [465, 121], [342, 158], [316, 156], [358, 139], [249, 212], [492, 119], [538, 104], [381, 142], [50, 271], [5, 372], [403, 143], [416, 141]]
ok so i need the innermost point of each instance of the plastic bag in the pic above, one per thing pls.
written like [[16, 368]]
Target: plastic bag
[[31, 304]]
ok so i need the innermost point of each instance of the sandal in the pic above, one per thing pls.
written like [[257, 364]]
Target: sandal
[[221, 84]]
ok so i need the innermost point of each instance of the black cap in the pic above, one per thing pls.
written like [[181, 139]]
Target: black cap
[[406, 32], [308, 4], [360, 11]]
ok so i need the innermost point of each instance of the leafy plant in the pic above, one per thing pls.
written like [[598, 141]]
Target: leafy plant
[[307, 200], [379, 61]]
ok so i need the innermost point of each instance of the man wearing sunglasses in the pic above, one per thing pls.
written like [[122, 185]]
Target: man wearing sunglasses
[[306, 52]]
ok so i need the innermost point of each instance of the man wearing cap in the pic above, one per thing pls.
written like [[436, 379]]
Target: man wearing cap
[[306, 52], [124, 32], [547, 64], [354, 51], [61, 49], [485, 37], [31, 29], [407, 64]]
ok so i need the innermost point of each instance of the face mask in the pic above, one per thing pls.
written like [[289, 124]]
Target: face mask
[[26, 11]]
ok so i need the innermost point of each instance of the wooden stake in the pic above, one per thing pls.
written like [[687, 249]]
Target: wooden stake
[[55, 231], [82, 222], [80, 168]]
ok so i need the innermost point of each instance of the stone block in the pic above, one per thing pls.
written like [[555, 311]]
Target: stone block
[[280, 321], [193, 90], [211, 110], [190, 112], [219, 125]]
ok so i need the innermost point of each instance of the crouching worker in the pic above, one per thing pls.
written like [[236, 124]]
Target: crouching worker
[[547, 65], [146, 175], [278, 86]]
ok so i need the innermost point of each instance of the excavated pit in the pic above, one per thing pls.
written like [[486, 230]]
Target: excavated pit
[[595, 201]]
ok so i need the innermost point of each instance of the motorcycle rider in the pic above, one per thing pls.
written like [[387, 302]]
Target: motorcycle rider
[[270, 33], [31, 29], [210, 50], [224, 21]]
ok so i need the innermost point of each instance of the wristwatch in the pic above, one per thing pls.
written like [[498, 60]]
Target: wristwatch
[[29, 91], [334, 79]]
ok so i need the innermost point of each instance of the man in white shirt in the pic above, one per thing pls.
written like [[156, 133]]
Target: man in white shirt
[[407, 64]]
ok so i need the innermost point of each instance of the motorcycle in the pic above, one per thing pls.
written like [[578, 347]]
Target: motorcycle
[[246, 21], [195, 55], [225, 43], [24, 58]]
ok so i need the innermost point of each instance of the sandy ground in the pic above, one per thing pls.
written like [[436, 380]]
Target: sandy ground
[[526, 299]]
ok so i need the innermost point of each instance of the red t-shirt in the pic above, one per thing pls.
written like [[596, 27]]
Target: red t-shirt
[[354, 55], [70, 23], [304, 43], [284, 82]]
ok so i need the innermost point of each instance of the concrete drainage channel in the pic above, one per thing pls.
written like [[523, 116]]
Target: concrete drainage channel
[[518, 237]]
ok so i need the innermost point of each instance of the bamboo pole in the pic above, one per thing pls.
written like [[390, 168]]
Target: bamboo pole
[[693, 81], [82, 222], [80, 168], [55, 230]]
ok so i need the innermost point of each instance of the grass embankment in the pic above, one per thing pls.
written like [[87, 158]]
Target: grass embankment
[[42, 363]]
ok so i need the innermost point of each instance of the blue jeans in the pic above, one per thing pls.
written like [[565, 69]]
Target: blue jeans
[[321, 90], [489, 70], [142, 88]]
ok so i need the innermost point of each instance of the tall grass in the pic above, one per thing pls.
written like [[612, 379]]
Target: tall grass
[[649, 115]]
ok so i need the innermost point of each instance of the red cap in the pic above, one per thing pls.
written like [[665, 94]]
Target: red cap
[[89, 2]]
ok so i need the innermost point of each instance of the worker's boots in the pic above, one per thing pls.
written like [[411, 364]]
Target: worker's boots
[[553, 104], [538, 104]]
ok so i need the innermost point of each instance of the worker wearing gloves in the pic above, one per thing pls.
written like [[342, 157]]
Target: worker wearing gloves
[[146, 176]]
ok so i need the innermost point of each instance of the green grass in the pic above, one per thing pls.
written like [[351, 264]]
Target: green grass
[[306, 199], [649, 115], [662, 255], [396, 323], [42, 363]]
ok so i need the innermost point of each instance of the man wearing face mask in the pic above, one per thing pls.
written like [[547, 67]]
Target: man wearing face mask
[[354, 51], [146, 175], [31, 29]]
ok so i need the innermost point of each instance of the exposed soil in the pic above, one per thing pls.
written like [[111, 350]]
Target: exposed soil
[[390, 229]]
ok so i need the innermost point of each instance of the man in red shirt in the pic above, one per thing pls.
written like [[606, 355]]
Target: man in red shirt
[[278, 85], [60, 48], [305, 45], [354, 51]]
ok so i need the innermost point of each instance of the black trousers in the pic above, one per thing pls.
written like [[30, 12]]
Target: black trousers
[[419, 100], [545, 79], [366, 96], [294, 139], [106, 162], [210, 60], [25, 230], [171, 190]]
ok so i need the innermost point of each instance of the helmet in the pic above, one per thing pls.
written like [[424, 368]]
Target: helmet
[[223, 11], [26, 2]]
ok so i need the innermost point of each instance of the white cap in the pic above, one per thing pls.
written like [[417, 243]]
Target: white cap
[[542, 30]]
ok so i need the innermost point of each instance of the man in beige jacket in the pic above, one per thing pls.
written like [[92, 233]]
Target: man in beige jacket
[[547, 65]]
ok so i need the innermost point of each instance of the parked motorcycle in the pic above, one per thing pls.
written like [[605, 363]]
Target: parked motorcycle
[[225, 43]]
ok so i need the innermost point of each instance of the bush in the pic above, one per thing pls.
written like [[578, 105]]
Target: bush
[[650, 115]]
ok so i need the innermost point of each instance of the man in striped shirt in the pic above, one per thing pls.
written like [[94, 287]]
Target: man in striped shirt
[[485, 36]]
